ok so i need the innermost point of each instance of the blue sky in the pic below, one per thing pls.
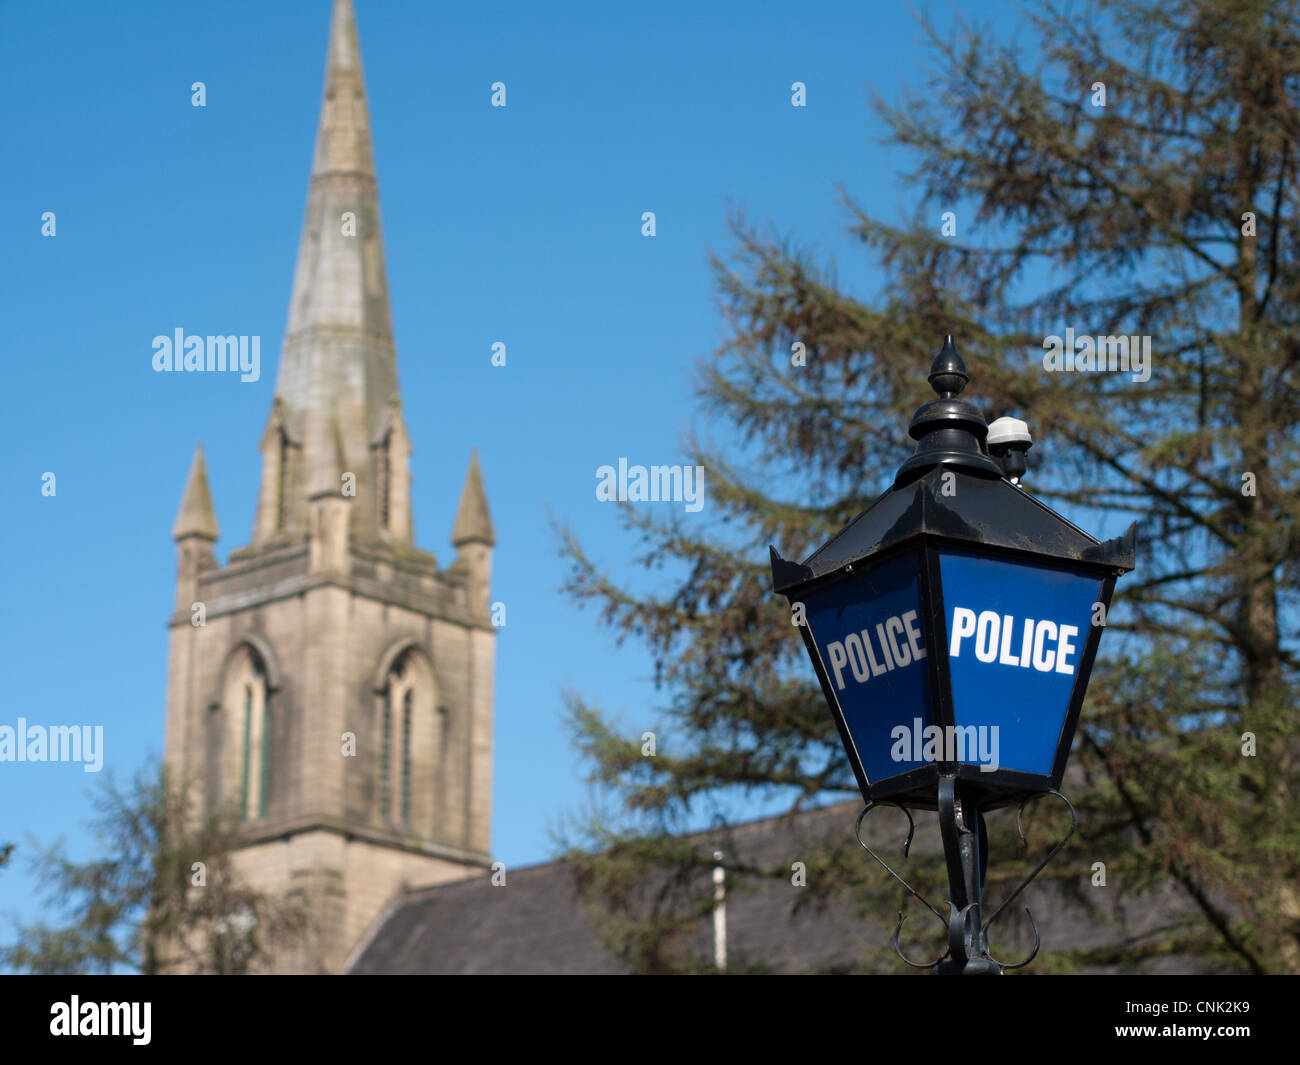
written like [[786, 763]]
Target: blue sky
[[520, 225]]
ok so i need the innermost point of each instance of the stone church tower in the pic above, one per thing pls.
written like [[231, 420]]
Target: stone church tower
[[331, 622]]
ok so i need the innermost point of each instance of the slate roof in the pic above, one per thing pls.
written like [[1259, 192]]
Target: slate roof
[[536, 923], [533, 925]]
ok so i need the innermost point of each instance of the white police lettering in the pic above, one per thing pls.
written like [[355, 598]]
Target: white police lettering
[[1045, 645], [890, 644]]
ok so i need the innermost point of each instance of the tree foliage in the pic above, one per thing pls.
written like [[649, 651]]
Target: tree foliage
[[164, 896]]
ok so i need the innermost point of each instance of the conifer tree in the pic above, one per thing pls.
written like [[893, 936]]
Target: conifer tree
[[163, 897], [1135, 175]]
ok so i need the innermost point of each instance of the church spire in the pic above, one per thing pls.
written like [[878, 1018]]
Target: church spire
[[338, 365], [343, 139], [340, 281], [196, 517], [473, 523]]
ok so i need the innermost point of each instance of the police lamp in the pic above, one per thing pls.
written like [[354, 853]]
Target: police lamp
[[953, 627]]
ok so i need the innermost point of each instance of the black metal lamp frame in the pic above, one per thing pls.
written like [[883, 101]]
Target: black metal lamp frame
[[965, 848]]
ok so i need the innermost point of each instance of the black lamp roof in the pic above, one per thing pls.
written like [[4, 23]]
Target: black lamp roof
[[978, 511]]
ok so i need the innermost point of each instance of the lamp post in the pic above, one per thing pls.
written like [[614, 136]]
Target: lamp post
[[953, 626]]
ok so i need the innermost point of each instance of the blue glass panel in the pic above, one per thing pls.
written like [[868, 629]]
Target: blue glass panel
[[1016, 632], [868, 632]]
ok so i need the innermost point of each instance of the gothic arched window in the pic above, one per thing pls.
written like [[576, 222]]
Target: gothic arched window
[[248, 717], [386, 755], [409, 740], [406, 758]]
